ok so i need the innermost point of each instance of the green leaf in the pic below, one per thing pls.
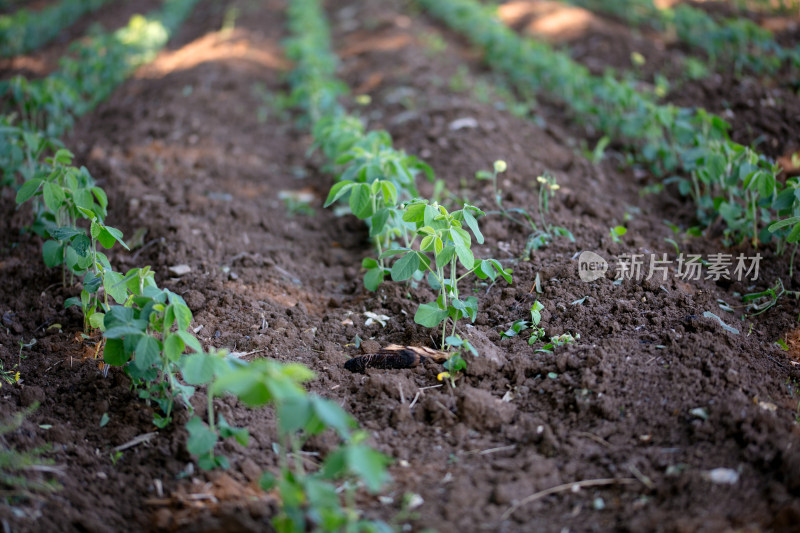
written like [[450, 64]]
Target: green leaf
[[53, 253], [53, 196], [241, 435], [27, 190], [118, 332], [465, 256], [69, 302], [414, 212], [794, 235], [114, 352], [405, 267], [114, 284], [63, 156], [201, 439], [183, 316], [294, 415], [378, 222], [373, 278], [245, 385], [389, 193], [361, 201], [506, 273], [429, 315], [190, 340], [775, 226], [369, 465], [473, 225], [337, 191], [108, 236], [173, 347], [96, 320], [148, 351], [82, 244], [369, 263], [198, 368], [333, 416], [100, 194]]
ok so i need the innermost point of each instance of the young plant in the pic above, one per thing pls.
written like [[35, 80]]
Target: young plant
[[455, 364], [540, 238], [558, 341], [310, 499], [616, 232], [537, 333], [445, 243]]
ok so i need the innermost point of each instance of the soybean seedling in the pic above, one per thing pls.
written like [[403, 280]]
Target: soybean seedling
[[444, 237], [537, 333], [456, 364]]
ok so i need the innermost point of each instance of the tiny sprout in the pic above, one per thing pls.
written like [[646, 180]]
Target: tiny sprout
[[363, 99], [442, 376], [637, 59], [500, 166]]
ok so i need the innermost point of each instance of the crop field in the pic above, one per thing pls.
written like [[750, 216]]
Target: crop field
[[399, 265]]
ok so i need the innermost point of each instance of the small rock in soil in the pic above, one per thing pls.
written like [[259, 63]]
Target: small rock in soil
[[723, 476], [463, 123], [180, 270]]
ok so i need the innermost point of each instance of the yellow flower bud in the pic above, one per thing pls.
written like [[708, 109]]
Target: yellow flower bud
[[500, 166], [443, 375]]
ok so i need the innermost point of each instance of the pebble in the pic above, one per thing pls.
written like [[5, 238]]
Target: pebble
[[723, 476], [180, 270]]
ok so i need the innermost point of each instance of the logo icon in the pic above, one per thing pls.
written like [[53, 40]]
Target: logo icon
[[591, 266]]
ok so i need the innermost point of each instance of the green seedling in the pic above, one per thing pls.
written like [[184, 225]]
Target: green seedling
[[455, 364], [499, 167], [537, 333], [445, 243], [760, 302], [616, 232], [547, 190], [558, 341], [9, 376], [115, 456]]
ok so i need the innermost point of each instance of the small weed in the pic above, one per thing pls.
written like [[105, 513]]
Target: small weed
[[616, 232], [558, 341]]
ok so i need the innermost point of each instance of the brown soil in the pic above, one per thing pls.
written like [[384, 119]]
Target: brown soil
[[652, 395]]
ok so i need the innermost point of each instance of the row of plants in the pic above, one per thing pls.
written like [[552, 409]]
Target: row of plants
[[427, 241], [26, 30], [88, 73], [146, 329], [737, 42], [728, 182]]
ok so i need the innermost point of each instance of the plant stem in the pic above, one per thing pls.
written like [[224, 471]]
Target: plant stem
[[211, 423]]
